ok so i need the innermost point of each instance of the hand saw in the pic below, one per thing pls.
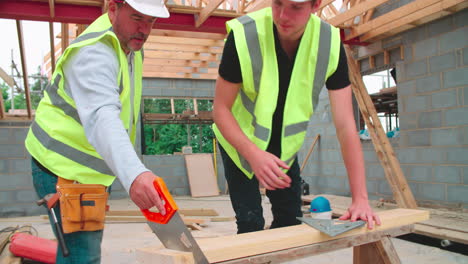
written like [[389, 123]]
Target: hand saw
[[170, 228]]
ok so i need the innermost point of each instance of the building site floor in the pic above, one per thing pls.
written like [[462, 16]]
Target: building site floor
[[122, 239]]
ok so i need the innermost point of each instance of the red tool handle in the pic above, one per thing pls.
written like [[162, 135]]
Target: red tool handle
[[169, 204]]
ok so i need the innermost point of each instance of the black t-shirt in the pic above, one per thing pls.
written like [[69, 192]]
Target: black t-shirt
[[230, 70]]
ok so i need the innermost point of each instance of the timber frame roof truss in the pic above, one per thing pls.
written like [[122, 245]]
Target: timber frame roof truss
[[359, 20]]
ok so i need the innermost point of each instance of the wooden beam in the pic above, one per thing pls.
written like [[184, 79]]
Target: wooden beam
[[397, 181], [7, 78], [183, 40], [186, 34], [355, 11], [309, 152], [325, 3], [198, 76], [266, 241], [184, 48], [241, 6], [207, 11], [371, 62], [2, 107], [181, 55], [380, 252], [65, 37], [19, 29], [52, 8], [257, 5], [52, 46], [386, 57], [287, 255], [407, 18]]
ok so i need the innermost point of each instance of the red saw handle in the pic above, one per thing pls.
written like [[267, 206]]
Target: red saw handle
[[169, 204]]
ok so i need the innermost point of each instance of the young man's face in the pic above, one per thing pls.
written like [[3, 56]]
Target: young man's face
[[291, 17], [131, 27]]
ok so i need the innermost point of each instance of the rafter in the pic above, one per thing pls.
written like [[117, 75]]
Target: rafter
[[207, 11], [355, 11], [19, 29], [257, 5]]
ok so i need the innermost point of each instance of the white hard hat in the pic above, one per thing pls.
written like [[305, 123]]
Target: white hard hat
[[154, 8]]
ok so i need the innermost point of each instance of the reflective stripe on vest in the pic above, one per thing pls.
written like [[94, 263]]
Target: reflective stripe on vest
[[58, 140], [254, 50]]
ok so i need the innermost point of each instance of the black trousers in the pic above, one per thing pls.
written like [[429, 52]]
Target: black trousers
[[247, 202]]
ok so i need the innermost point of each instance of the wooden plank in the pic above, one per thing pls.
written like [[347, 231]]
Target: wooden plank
[[207, 11], [440, 233], [393, 172], [157, 69], [181, 55], [326, 3], [285, 256], [267, 241], [183, 40], [200, 172], [404, 11], [19, 28], [186, 34], [419, 14], [187, 63], [169, 75], [184, 48], [7, 78], [165, 256], [444, 224], [355, 11]]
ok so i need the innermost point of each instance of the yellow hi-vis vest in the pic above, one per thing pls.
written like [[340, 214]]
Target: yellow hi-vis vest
[[316, 60], [57, 139]]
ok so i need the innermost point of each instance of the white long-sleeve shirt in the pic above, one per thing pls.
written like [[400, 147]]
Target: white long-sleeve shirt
[[90, 77]]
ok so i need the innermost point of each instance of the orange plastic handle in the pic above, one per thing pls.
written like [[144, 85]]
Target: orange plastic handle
[[169, 204]]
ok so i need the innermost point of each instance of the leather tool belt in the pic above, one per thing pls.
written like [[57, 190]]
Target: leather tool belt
[[82, 206]]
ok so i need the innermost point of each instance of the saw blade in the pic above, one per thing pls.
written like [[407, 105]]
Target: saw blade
[[174, 235]]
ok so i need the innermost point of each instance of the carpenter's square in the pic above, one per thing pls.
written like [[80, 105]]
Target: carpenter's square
[[170, 228], [331, 227]]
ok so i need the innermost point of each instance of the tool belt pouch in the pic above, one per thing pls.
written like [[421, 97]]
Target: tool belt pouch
[[82, 206]]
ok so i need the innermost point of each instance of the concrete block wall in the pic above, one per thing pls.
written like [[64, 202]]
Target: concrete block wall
[[433, 108], [324, 171], [17, 195], [178, 87]]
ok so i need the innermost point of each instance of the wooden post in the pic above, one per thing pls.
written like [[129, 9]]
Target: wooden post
[[379, 252], [310, 152], [19, 29], [397, 181], [65, 37], [52, 47], [2, 108]]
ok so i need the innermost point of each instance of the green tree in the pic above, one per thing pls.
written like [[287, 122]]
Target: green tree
[[36, 93], [170, 138], [4, 87]]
